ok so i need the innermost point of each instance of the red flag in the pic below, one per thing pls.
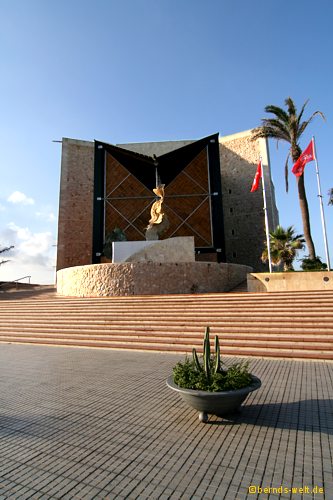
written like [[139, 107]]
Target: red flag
[[256, 179], [307, 155]]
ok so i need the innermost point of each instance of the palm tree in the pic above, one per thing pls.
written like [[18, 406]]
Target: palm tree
[[3, 250], [284, 244], [330, 194], [288, 126]]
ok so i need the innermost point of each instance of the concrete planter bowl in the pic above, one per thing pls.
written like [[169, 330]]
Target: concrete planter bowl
[[214, 403]]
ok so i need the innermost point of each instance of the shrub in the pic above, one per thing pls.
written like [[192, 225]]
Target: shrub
[[313, 264], [116, 235], [209, 375]]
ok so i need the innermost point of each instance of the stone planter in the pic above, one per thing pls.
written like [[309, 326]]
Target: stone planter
[[215, 403]]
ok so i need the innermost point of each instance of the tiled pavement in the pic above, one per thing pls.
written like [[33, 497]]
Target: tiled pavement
[[85, 423]]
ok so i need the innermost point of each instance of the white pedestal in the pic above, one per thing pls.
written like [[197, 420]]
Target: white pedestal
[[178, 249]]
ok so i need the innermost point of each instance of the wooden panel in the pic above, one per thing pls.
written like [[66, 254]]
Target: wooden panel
[[198, 170], [191, 181], [115, 173], [188, 215], [200, 221], [130, 215]]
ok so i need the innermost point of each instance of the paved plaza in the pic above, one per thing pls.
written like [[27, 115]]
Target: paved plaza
[[87, 423]]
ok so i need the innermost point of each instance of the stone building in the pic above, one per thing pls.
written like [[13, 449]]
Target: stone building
[[207, 195]]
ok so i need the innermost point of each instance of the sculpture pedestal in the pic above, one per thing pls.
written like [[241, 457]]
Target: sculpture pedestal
[[178, 249], [149, 278]]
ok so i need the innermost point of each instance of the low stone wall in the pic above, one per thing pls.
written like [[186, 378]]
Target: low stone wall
[[149, 278], [290, 282]]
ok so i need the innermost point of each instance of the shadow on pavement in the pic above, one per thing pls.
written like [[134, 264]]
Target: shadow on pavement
[[306, 415]]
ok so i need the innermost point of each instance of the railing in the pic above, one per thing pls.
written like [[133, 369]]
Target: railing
[[15, 281]]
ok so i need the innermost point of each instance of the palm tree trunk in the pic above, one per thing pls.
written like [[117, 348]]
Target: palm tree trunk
[[303, 203]]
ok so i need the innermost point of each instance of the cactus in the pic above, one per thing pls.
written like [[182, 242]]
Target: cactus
[[196, 360], [206, 367], [217, 366], [210, 374], [206, 353]]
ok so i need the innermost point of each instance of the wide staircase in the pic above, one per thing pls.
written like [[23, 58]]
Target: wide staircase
[[288, 325]]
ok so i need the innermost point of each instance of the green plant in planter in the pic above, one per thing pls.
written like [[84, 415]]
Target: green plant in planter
[[313, 264], [209, 375], [116, 235]]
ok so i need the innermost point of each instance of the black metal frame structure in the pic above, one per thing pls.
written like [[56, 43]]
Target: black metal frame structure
[[168, 166]]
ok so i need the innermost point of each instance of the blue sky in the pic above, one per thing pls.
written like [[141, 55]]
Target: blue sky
[[150, 70]]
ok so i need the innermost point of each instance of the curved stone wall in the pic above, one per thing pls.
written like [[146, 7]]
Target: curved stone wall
[[149, 278]]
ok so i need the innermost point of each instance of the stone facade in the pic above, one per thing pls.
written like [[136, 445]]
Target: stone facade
[[75, 226], [243, 216], [149, 278]]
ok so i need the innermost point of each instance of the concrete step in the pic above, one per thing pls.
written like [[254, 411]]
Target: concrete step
[[220, 297], [132, 317], [180, 328], [194, 339], [34, 294], [279, 325], [247, 351], [324, 311]]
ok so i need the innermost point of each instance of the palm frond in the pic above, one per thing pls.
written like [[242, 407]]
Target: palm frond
[[330, 194], [302, 111], [292, 111], [257, 133], [279, 112], [304, 124], [275, 122], [269, 132], [277, 129], [320, 113]]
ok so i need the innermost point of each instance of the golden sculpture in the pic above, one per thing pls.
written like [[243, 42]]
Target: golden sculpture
[[158, 222]]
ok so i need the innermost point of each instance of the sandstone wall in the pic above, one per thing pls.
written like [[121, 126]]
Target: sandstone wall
[[244, 224], [149, 278], [75, 224]]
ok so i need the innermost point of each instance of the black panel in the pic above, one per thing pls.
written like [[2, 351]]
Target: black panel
[[98, 215], [216, 201], [142, 167], [171, 164]]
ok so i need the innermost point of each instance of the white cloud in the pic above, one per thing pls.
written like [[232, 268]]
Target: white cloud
[[14, 269], [18, 197], [21, 233], [29, 243], [36, 244], [49, 216], [34, 254]]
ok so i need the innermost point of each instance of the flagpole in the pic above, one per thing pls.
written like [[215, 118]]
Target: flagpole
[[266, 217], [321, 206]]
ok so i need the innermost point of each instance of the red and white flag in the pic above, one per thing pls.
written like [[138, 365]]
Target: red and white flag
[[307, 155], [256, 180]]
